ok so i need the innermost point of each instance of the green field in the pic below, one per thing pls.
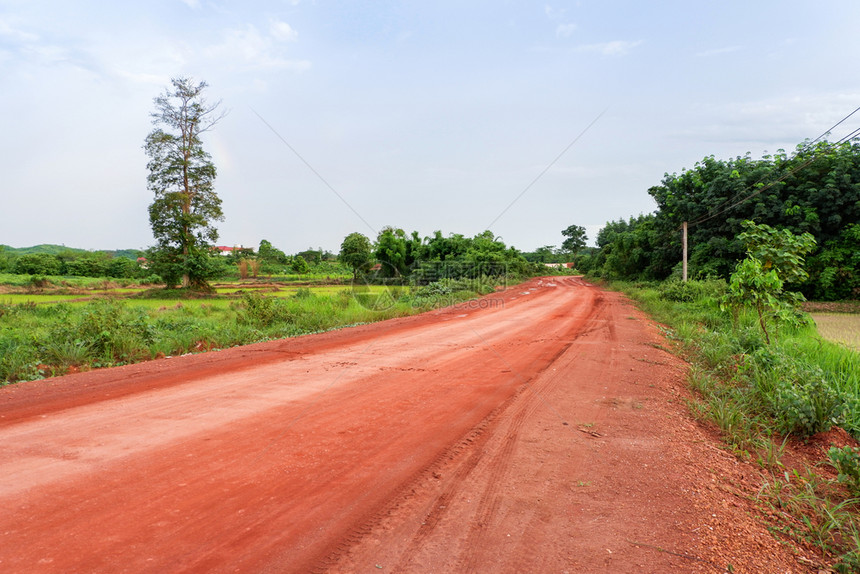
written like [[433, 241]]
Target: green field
[[51, 332], [37, 298]]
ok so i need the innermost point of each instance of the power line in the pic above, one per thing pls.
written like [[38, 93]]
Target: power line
[[810, 144], [764, 188], [547, 168]]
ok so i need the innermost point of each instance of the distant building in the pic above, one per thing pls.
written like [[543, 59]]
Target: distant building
[[566, 265], [225, 251]]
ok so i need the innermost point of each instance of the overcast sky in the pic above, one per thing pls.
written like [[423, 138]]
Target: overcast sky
[[422, 115]]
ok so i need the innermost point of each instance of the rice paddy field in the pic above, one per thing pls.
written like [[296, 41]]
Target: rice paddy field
[[842, 328]]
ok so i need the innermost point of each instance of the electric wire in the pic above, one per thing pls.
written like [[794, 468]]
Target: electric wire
[[711, 214]]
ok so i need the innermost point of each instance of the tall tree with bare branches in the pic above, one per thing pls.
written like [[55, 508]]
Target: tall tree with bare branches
[[182, 176]]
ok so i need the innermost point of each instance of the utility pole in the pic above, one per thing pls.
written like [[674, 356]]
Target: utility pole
[[684, 243]]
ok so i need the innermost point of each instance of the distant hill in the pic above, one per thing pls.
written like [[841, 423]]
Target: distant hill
[[58, 249]]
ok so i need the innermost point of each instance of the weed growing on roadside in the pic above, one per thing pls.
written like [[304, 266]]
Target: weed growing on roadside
[[846, 460], [798, 385]]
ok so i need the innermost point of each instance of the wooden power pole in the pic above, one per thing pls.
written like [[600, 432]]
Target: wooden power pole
[[684, 243]]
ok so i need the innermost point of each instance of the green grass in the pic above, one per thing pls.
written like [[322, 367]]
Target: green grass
[[60, 281], [759, 395], [49, 338], [164, 305], [23, 298]]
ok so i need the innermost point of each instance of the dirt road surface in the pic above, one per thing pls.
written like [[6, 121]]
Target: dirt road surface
[[542, 429]]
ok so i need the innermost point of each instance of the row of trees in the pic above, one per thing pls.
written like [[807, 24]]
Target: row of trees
[[571, 247], [82, 264], [815, 191], [397, 255]]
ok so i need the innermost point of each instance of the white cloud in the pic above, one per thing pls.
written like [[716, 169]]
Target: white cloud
[[249, 48], [282, 31], [144, 78], [553, 12], [565, 30], [191, 3], [718, 51], [781, 121], [49, 54], [615, 48], [8, 31]]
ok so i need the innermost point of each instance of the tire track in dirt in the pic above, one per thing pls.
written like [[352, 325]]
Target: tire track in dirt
[[446, 476], [499, 462]]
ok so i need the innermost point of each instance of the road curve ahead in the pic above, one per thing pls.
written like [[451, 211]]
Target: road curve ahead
[[391, 446]]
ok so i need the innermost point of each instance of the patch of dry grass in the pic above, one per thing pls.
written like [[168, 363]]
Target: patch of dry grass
[[841, 328]]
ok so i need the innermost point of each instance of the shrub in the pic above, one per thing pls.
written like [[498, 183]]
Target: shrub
[[66, 352], [797, 394], [110, 330], [18, 361], [691, 291], [38, 264], [846, 460], [264, 311]]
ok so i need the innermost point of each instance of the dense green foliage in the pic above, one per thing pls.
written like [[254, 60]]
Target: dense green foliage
[[62, 261], [267, 253], [299, 265], [815, 191], [437, 257], [181, 177], [632, 249]]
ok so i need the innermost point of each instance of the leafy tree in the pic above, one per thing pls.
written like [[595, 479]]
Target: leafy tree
[[544, 254], [836, 267], [356, 252], [630, 249], [778, 249], [390, 251], [237, 255], [181, 176], [269, 254], [6, 260], [87, 266], [299, 265], [773, 257], [312, 256], [576, 238], [123, 267], [414, 249]]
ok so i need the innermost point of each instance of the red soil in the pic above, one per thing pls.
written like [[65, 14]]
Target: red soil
[[542, 429]]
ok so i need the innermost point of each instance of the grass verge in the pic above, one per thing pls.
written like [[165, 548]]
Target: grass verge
[[762, 396], [41, 340]]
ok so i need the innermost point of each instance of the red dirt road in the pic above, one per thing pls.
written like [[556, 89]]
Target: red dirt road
[[537, 430]]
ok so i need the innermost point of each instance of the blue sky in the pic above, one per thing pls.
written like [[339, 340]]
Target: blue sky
[[420, 115]]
